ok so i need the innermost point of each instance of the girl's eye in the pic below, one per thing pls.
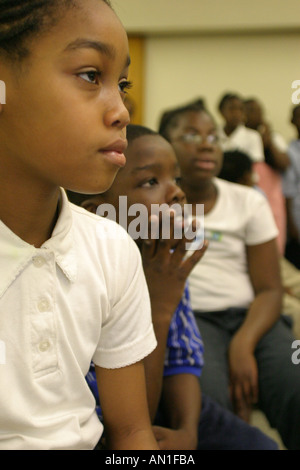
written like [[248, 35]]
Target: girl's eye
[[149, 183], [91, 76], [125, 85]]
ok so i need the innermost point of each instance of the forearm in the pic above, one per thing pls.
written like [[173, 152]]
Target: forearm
[[154, 363], [182, 403], [264, 273], [122, 394], [135, 440], [261, 316], [279, 159]]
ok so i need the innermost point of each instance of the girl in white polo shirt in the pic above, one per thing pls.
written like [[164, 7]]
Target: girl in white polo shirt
[[67, 298], [236, 290]]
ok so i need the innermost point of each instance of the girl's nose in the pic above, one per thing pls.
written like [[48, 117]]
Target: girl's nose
[[117, 114]]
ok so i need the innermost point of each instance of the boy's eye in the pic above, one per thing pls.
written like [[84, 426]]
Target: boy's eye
[[91, 76], [149, 183], [178, 181], [125, 85]]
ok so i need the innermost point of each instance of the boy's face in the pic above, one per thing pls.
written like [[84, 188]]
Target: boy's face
[[150, 176], [254, 115], [198, 161], [64, 120], [234, 112]]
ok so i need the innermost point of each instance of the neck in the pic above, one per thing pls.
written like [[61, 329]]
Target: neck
[[228, 129], [203, 192], [30, 215]]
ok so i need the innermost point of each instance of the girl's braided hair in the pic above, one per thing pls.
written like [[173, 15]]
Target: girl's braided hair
[[22, 19]]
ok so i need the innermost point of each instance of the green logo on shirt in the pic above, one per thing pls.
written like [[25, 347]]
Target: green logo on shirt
[[213, 235]]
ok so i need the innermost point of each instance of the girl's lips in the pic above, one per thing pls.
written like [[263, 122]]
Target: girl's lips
[[117, 158], [205, 164], [115, 152]]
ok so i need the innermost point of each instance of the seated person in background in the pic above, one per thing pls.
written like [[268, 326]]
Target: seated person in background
[[234, 135], [236, 290], [276, 161], [186, 418], [275, 147], [291, 189], [237, 167]]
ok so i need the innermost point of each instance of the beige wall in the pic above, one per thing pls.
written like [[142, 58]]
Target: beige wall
[[179, 69], [206, 47], [152, 16]]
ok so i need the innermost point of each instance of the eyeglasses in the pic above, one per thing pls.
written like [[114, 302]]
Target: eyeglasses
[[198, 139]]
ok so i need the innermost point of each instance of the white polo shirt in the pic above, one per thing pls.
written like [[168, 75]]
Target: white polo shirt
[[241, 216], [243, 139], [81, 296]]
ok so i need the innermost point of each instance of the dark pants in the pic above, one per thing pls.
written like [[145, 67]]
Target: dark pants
[[220, 429], [279, 378]]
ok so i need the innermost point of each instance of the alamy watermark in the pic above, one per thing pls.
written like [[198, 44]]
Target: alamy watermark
[[164, 222], [296, 94], [296, 354], [2, 92]]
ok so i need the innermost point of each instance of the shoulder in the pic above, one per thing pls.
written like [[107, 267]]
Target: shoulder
[[101, 234], [252, 134], [94, 221], [294, 151], [295, 144], [237, 191], [279, 141], [239, 201]]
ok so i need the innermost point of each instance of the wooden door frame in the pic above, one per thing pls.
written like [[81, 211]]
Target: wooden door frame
[[137, 76]]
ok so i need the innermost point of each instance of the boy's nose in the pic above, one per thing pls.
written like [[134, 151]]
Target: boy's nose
[[174, 194]]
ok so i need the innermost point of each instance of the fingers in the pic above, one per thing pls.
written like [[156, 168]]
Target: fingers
[[171, 241], [189, 263], [244, 394], [160, 234]]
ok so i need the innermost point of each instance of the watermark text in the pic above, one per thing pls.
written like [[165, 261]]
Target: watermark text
[[162, 222], [296, 94], [296, 354], [2, 92]]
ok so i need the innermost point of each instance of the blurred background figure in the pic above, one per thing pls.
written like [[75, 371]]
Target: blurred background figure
[[234, 135], [291, 189], [238, 168], [276, 161]]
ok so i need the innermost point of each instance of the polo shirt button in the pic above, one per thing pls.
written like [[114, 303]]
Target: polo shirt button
[[38, 261], [43, 305], [44, 346]]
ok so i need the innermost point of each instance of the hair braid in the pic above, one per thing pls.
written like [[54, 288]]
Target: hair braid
[[20, 19]]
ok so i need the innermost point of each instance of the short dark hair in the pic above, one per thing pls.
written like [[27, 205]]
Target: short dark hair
[[170, 117], [22, 19], [227, 97], [235, 165], [133, 131]]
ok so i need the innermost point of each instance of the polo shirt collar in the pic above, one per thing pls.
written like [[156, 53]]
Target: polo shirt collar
[[15, 253]]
